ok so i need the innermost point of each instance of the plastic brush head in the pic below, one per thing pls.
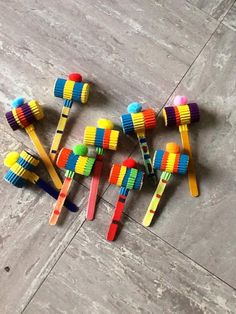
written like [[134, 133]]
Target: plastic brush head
[[72, 89], [103, 136], [24, 114], [171, 160], [20, 167], [76, 160], [138, 120], [126, 175], [181, 113]]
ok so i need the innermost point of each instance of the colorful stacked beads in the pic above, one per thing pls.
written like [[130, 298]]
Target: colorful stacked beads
[[24, 115], [104, 138], [170, 162], [182, 114], [71, 90], [68, 160], [20, 167]]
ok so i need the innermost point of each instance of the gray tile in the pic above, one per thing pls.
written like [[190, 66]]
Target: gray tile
[[29, 246], [135, 52], [203, 228], [230, 18], [215, 8], [138, 273]]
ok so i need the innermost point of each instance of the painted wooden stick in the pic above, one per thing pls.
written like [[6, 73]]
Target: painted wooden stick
[[71, 90], [182, 114], [23, 115]]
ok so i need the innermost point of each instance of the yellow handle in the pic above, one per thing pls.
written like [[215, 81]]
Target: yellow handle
[[192, 179], [43, 155]]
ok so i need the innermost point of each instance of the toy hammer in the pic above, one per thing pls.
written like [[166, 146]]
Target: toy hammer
[[103, 137], [138, 121], [75, 161], [169, 161], [182, 114], [21, 171], [23, 115], [127, 177], [71, 90]]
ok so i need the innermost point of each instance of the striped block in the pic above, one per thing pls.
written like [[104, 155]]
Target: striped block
[[71, 90], [182, 114], [170, 162], [103, 138]]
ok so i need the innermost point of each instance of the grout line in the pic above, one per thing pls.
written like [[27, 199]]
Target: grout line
[[176, 249], [55, 263]]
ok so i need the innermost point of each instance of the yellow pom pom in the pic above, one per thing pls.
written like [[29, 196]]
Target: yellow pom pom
[[172, 147], [105, 124], [11, 158]]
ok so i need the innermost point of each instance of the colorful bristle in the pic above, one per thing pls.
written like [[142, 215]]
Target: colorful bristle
[[79, 164], [71, 90], [138, 122], [24, 115], [170, 162], [104, 138], [123, 176], [182, 114], [20, 170]]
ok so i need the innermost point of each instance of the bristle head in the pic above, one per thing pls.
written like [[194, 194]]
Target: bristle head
[[11, 159], [80, 150], [134, 107], [105, 124], [172, 147], [19, 101], [76, 77], [129, 163], [180, 100]]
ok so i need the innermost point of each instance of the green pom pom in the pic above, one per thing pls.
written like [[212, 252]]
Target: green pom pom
[[11, 159], [105, 124], [80, 150]]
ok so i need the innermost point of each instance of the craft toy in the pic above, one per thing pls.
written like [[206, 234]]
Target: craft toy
[[137, 121], [21, 171], [23, 115], [73, 162], [71, 90], [169, 161], [103, 137], [182, 114], [127, 177]]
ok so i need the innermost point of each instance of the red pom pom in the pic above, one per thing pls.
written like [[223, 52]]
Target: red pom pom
[[76, 77], [129, 163]]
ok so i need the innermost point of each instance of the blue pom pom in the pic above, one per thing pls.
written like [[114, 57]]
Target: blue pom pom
[[18, 102], [134, 107]]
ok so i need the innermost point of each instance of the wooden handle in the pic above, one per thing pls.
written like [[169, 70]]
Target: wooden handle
[[59, 132], [165, 177], [111, 234], [97, 170], [146, 156], [61, 199], [192, 178], [44, 156]]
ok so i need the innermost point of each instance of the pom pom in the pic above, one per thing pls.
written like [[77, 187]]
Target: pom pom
[[11, 159], [18, 102], [172, 147], [76, 77], [105, 124], [80, 150], [134, 107], [129, 163], [180, 100]]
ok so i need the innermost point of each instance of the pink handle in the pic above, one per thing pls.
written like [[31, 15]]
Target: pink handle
[[97, 170]]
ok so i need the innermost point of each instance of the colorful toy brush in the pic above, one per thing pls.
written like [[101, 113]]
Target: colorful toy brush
[[138, 121], [73, 162], [71, 90], [21, 171], [103, 137], [182, 114], [23, 115], [128, 178], [169, 161]]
